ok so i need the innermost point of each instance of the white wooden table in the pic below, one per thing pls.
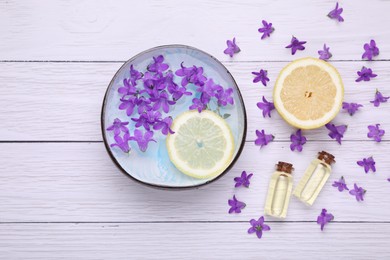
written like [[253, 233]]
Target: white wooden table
[[61, 197]]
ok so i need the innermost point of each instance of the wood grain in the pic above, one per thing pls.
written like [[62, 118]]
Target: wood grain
[[194, 241], [117, 30], [62, 101], [75, 182]]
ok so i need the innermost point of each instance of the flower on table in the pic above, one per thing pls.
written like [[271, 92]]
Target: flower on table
[[370, 50], [368, 164], [142, 139], [388, 179], [266, 107], [267, 29], [324, 218], [358, 192], [340, 185], [336, 13], [297, 141], [295, 45], [243, 180], [232, 47], [261, 76], [164, 125], [336, 132], [325, 54], [351, 108], [235, 205], [122, 142], [118, 126], [158, 65], [197, 104], [379, 98], [258, 226], [263, 139], [375, 132], [365, 74]]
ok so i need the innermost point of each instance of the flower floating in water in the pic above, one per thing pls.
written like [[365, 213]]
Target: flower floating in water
[[375, 132], [122, 142], [243, 180], [336, 13], [365, 74], [297, 141], [118, 126], [164, 125], [370, 50], [324, 218], [261, 76], [325, 54], [340, 185], [158, 65], [235, 205], [258, 226], [232, 47], [266, 107], [262, 138], [368, 164], [142, 139], [295, 45], [267, 29], [379, 98], [336, 132], [351, 108], [358, 192]]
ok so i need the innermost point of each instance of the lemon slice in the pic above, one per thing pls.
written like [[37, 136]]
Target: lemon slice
[[202, 145], [308, 93]]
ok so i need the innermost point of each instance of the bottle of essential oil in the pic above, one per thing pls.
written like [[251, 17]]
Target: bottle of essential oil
[[314, 178], [279, 191]]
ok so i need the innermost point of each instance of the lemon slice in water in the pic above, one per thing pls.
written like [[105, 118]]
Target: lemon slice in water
[[202, 145]]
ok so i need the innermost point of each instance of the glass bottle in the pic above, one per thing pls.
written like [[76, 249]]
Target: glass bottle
[[314, 178], [279, 191]]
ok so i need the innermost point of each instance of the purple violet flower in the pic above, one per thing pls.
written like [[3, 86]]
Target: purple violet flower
[[267, 29], [258, 226], [336, 132], [143, 105], [358, 192], [340, 185], [375, 132], [263, 139], [225, 97], [150, 80], [325, 54], [235, 205], [142, 139], [266, 107], [365, 74], [243, 180], [370, 50], [351, 108], [128, 105], [122, 142], [208, 90], [147, 119], [134, 75], [297, 141], [158, 66], [379, 98], [197, 104], [336, 13], [165, 125], [162, 101], [232, 47], [368, 164], [118, 126], [261, 76], [296, 45], [128, 88], [191, 75], [324, 218]]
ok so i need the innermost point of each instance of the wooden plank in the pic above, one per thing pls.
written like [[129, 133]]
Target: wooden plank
[[62, 101], [117, 30], [194, 241], [78, 182]]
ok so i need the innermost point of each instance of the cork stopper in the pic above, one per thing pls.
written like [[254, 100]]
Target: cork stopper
[[326, 157], [284, 167]]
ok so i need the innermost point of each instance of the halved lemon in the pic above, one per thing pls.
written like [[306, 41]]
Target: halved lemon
[[202, 145], [308, 93]]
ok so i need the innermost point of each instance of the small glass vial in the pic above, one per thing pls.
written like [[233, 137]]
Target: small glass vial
[[279, 191], [314, 178]]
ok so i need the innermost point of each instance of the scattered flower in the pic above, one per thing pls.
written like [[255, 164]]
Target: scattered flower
[[379, 98], [358, 192], [258, 226], [118, 126], [336, 132], [142, 139], [370, 50], [368, 164], [297, 141], [197, 104], [388, 179], [235, 205], [232, 47], [325, 54], [266, 107], [340, 185], [262, 138], [365, 74], [158, 65], [122, 142], [267, 29], [351, 108], [296, 45], [164, 125], [261, 76], [336, 13], [243, 180], [375, 132], [324, 218]]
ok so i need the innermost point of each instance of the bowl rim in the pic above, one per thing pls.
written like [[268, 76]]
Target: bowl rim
[[167, 187]]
